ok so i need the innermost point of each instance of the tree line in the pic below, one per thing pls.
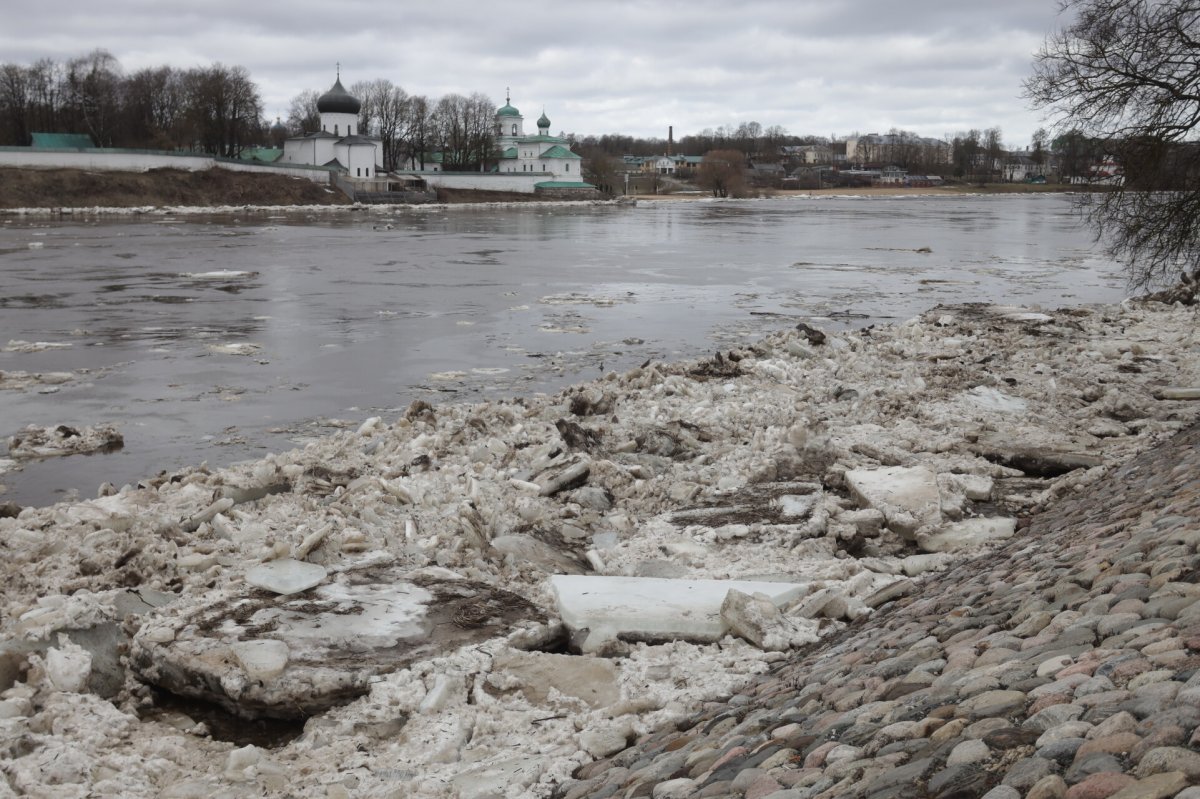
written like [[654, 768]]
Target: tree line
[[215, 109], [218, 109]]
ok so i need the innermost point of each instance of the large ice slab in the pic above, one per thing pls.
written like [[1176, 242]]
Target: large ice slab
[[258, 654], [602, 609], [908, 497], [969, 534]]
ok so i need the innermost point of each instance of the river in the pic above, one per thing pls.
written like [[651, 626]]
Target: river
[[219, 337]]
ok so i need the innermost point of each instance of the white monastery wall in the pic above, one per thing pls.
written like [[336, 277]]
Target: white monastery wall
[[141, 162]]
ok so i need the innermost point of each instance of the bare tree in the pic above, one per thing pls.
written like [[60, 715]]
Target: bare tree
[[93, 82], [224, 109], [14, 105], [154, 108], [385, 111], [418, 132], [466, 131], [303, 116], [1127, 73], [723, 172]]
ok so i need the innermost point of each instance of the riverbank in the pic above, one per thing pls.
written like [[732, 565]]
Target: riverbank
[[79, 188], [955, 190], [55, 190], [755, 464]]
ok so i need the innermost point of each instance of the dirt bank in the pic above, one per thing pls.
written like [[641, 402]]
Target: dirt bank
[[79, 188]]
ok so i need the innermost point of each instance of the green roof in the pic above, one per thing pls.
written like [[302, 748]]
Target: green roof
[[539, 139], [511, 152], [508, 111], [268, 154], [557, 151], [62, 141], [562, 184]]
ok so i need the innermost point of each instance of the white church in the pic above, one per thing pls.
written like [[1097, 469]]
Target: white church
[[549, 155], [339, 143], [530, 164]]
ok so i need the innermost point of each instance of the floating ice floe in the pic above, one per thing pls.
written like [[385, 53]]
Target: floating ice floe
[[235, 348], [599, 610], [46, 442], [219, 274], [17, 345]]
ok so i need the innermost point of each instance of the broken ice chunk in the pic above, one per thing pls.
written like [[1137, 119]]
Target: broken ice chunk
[[968, 533], [651, 607], [262, 659], [286, 576], [908, 498], [991, 399], [758, 620]]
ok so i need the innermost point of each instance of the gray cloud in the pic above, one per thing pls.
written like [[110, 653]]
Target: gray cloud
[[632, 66]]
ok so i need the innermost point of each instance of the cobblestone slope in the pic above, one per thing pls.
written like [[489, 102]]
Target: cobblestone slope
[[1063, 664]]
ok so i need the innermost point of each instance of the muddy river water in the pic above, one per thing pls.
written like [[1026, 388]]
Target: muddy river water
[[220, 337]]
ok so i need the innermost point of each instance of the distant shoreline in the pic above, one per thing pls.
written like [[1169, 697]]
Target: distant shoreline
[[956, 190]]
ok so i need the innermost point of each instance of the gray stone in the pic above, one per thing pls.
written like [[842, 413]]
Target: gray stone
[[959, 780], [900, 777], [1095, 763], [1027, 771], [992, 703], [1002, 792], [1061, 751], [1169, 758], [1052, 716]]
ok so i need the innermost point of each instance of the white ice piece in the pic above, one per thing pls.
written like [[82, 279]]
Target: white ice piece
[[991, 399], [907, 497], [68, 666], [653, 607], [968, 534], [797, 504], [286, 576], [262, 659]]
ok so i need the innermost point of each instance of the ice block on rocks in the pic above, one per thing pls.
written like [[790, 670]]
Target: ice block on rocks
[[602, 609], [286, 576]]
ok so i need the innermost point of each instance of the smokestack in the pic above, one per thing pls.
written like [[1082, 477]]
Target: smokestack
[[670, 139]]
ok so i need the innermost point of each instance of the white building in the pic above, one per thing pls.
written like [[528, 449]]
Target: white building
[[339, 143], [549, 155]]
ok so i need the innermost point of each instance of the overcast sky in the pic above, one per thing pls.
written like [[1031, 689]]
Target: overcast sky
[[601, 66]]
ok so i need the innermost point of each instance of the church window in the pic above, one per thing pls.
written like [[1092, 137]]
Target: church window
[[335, 131], [358, 172], [568, 168], [514, 129]]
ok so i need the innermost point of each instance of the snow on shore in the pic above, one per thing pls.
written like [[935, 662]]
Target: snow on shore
[[848, 463]]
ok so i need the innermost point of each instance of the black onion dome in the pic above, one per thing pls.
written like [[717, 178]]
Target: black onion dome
[[338, 101]]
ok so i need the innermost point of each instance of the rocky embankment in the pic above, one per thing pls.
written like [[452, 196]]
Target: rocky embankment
[[1064, 663], [919, 540]]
